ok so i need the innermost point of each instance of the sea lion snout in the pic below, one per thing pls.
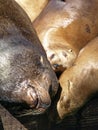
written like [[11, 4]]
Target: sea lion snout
[[61, 59], [44, 101], [34, 95]]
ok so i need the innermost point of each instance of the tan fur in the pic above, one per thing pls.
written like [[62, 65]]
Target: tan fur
[[32, 7], [80, 81], [66, 27]]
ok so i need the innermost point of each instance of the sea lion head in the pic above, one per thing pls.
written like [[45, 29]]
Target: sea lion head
[[53, 29], [25, 73], [60, 53]]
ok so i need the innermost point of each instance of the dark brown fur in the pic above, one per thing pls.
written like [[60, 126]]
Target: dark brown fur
[[25, 73]]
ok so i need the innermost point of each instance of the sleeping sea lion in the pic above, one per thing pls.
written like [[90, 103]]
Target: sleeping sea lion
[[32, 7], [80, 82], [25, 74], [64, 27]]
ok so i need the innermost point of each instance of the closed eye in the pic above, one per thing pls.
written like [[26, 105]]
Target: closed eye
[[52, 56], [64, 54], [63, 0]]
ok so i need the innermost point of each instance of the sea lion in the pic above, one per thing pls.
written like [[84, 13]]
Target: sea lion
[[64, 27], [32, 7], [79, 82], [25, 74]]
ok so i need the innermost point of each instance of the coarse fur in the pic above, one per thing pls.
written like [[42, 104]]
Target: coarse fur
[[25, 73]]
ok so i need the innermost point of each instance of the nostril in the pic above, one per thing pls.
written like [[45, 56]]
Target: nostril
[[30, 96], [56, 66], [34, 99]]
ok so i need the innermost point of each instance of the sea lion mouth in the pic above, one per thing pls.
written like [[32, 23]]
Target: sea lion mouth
[[41, 100], [43, 103]]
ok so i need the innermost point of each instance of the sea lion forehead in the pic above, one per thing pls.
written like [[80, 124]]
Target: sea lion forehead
[[19, 49]]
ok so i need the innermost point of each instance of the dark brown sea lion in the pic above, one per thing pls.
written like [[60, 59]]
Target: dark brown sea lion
[[80, 81], [25, 73], [32, 7], [64, 27]]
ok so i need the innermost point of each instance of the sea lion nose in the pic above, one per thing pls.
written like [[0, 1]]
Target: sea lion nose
[[37, 96], [44, 102], [56, 66], [31, 97]]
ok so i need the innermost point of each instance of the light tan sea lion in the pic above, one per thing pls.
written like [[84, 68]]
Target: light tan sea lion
[[32, 7], [65, 27], [80, 81]]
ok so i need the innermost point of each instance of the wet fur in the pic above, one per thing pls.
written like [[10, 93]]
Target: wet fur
[[25, 73], [64, 28]]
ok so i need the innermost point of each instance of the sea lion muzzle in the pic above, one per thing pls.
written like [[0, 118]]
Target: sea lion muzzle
[[36, 96], [43, 101]]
